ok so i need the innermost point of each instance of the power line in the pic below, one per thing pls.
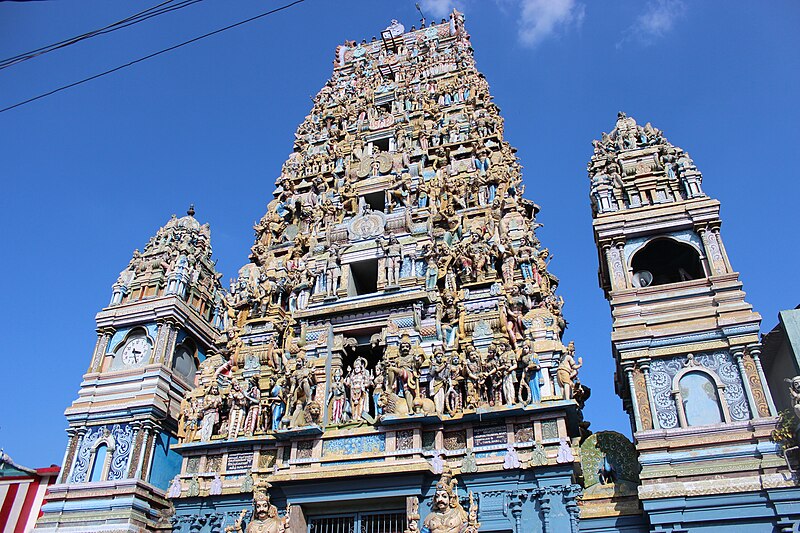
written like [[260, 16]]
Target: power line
[[141, 16], [150, 56]]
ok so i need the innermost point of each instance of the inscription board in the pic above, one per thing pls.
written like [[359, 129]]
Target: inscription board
[[239, 461], [485, 436]]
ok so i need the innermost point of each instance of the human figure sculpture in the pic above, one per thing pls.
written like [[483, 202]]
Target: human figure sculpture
[[402, 367], [253, 397], [237, 407], [393, 252], [439, 378], [210, 408], [532, 374], [337, 397], [358, 381], [794, 394], [301, 382], [333, 271], [265, 518], [568, 370], [447, 515]]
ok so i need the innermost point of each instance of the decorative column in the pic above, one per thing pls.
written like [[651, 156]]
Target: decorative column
[[615, 256], [133, 459], [515, 501], [716, 261], [80, 433], [755, 352], [148, 460], [145, 433], [543, 495], [165, 341], [628, 368], [101, 347], [571, 494], [738, 354], [645, 366], [718, 237], [72, 433]]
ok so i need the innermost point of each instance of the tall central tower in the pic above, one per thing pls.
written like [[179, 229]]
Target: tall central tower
[[396, 339]]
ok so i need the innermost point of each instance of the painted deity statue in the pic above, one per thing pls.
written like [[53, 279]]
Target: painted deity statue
[[447, 515], [265, 518], [567, 371]]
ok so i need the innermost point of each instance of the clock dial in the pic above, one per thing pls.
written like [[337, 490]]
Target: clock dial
[[135, 351]]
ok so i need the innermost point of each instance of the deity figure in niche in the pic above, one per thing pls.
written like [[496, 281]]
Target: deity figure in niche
[[237, 406], [358, 381], [337, 398], [531, 375], [393, 252], [439, 378], [212, 402]]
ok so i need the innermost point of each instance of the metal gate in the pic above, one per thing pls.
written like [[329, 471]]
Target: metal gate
[[380, 522]]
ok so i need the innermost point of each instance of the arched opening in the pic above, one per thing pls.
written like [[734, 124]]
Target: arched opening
[[184, 362], [665, 260], [700, 399], [99, 463]]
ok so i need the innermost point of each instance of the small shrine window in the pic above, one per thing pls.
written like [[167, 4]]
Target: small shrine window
[[184, 362], [375, 200], [363, 277], [700, 399], [99, 456], [665, 260]]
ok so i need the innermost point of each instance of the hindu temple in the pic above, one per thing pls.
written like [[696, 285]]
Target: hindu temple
[[393, 358]]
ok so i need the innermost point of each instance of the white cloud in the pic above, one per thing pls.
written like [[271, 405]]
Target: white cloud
[[439, 9], [658, 19], [539, 19]]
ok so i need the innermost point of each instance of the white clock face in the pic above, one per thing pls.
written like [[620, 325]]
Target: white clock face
[[135, 351]]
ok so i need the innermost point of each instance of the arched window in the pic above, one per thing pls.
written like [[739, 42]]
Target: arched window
[[701, 404], [665, 260], [184, 362], [100, 454]]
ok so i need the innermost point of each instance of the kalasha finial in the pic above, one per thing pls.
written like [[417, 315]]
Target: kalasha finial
[[190, 211]]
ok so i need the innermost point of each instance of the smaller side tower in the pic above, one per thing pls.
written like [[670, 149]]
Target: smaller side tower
[[685, 341], [164, 317]]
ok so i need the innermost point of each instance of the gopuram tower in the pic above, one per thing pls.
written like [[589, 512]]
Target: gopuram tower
[[393, 357], [685, 341], [164, 317]]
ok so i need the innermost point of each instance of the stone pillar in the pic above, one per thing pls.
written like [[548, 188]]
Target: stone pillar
[[716, 260], [165, 341], [645, 366], [101, 347], [755, 352], [72, 433], [722, 248], [133, 459], [148, 459], [628, 368], [615, 257], [571, 503], [144, 442], [515, 501], [738, 354], [78, 440], [543, 496]]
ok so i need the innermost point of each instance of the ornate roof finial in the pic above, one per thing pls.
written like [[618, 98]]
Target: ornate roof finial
[[190, 211]]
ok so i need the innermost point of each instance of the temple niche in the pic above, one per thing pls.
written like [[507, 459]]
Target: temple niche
[[397, 296]]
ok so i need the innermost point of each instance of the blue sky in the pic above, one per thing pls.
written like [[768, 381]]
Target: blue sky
[[91, 173]]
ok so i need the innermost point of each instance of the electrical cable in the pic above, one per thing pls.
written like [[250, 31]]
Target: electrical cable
[[150, 56], [146, 14]]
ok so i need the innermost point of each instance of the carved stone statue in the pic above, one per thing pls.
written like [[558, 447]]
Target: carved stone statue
[[568, 370], [265, 518], [447, 515]]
